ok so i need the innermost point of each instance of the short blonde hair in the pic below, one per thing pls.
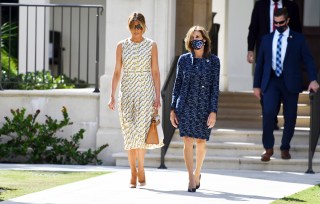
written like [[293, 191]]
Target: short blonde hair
[[205, 35], [135, 16]]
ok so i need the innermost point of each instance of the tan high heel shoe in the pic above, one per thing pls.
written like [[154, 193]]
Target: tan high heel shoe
[[141, 178], [133, 180]]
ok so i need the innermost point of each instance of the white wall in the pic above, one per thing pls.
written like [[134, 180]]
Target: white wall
[[219, 6], [234, 19], [311, 14], [239, 71], [82, 106]]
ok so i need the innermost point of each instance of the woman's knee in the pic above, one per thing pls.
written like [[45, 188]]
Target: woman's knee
[[201, 141], [188, 140]]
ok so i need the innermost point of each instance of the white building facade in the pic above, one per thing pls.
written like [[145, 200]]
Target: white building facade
[[161, 18]]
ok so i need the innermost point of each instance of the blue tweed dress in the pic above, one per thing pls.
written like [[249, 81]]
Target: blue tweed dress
[[195, 94]]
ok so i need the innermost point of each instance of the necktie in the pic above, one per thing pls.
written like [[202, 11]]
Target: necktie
[[278, 56], [274, 10]]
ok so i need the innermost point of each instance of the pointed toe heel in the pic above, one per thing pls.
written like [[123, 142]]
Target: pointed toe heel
[[198, 186], [192, 189], [133, 180], [141, 178]]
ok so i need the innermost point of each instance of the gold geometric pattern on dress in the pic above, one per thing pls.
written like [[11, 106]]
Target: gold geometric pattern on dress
[[136, 94]]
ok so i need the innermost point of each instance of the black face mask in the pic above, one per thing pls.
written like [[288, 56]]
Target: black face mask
[[282, 28], [275, 0]]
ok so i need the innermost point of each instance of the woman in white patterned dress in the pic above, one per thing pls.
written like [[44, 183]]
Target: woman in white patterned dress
[[137, 66]]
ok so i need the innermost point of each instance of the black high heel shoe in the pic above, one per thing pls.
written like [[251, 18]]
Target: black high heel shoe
[[191, 189], [198, 186]]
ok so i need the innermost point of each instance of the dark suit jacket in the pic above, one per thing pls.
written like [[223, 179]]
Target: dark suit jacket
[[260, 21], [297, 52]]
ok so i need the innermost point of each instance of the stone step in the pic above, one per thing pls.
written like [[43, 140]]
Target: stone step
[[221, 162], [255, 122], [248, 163], [255, 110], [235, 149], [241, 149], [249, 136], [231, 149], [239, 123], [248, 97], [243, 110]]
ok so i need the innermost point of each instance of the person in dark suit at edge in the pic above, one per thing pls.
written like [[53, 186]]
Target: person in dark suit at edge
[[278, 77], [262, 24]]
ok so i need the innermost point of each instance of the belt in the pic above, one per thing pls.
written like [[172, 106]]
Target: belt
[[139, 71]]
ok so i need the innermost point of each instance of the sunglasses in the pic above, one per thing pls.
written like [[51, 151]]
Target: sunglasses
[[138, 27], [279, 22]]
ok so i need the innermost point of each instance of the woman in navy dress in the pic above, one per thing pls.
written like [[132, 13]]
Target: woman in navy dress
[[195, 99]]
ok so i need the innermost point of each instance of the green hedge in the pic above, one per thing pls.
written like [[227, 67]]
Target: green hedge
[[38, 143]]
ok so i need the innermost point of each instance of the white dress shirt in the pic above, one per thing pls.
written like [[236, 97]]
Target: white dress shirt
[[284, 44], [271, 12]]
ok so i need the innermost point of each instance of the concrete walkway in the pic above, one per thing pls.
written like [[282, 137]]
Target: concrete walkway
[[167, 186]]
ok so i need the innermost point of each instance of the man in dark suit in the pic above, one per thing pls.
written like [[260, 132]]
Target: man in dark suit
[[262, 24], [278, 77], [262, 21]]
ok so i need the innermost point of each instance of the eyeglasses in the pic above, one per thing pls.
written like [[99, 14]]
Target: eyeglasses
[[138, 27], [279, 22]]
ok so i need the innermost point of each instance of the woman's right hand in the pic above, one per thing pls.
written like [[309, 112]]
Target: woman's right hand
[[111, 103], [174, 119]]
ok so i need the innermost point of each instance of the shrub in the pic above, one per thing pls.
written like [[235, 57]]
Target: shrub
[[38, 142], [40, 80]]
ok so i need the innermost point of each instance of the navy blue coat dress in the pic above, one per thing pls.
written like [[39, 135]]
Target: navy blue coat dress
[[195, 94]]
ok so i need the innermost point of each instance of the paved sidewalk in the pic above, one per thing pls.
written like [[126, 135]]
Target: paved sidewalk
[[167, 186]]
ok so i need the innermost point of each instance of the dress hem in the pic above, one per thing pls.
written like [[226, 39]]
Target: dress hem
[[148, 146]]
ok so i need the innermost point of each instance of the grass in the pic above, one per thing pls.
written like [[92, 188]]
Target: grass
[[14, 183], [310, 196]]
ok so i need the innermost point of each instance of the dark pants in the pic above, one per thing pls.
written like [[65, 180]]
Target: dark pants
[[275, 126], [273, 95]]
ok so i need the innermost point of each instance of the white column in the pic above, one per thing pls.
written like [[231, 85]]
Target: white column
[[160, 20], [238, 70], [219, 6]]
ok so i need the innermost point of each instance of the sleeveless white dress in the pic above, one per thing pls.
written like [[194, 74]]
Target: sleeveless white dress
[[137, 94]]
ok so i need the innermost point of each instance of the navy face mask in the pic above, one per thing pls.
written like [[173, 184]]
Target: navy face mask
[[197, 44]]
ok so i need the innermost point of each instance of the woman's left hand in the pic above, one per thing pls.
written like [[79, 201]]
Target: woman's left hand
[[111, 103], [156, 104], [211, 120]]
